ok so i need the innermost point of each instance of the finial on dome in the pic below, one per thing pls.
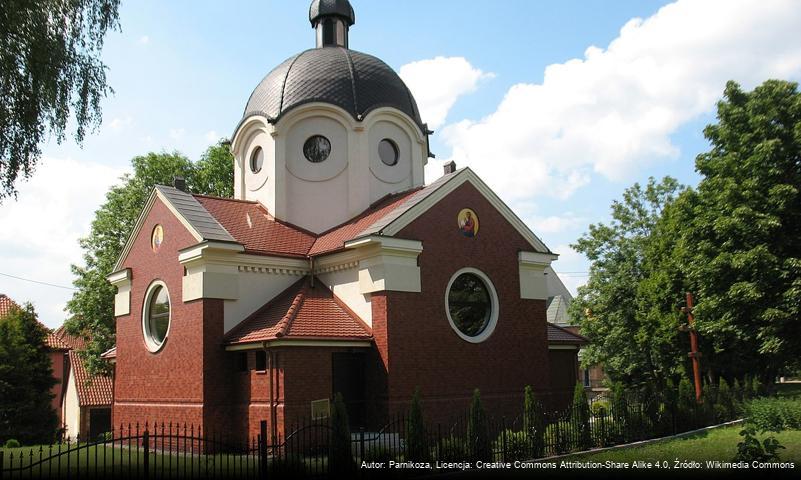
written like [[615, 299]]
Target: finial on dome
[[331, 19]]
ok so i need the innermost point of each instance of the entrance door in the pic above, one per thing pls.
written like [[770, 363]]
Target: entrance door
[[348, 379], [99, 422]]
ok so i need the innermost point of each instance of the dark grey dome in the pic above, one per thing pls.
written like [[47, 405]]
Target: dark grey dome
[[354, 81], [340, 8]]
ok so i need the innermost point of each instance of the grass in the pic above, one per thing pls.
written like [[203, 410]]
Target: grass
[[718, 444]]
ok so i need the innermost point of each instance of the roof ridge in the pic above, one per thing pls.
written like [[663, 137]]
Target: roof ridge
[[292, 311], [351, 313], [215, 197], [284, 293], [568, 331]]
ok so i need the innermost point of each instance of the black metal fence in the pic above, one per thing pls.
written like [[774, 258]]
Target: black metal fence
[[310, 450]]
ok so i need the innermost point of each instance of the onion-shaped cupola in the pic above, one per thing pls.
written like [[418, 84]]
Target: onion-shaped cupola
[[332, 19]]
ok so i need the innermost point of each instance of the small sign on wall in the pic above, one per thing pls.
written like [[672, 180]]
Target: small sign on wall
[[321, 408], [468, 223]]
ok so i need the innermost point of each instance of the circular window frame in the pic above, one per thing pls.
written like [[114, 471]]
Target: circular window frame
[[494, 306], [327, 155], [251, 161], [150, 343], [395, 148]]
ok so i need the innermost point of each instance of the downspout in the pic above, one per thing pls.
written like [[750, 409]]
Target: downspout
[[311, 271], [268, 355]]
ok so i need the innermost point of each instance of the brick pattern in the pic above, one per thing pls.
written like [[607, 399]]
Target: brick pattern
[[415, 340], [92, 391]]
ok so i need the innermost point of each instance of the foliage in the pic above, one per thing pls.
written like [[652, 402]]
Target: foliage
[[416, 439], [478, 444], [92, 305], [26, 377], [686, 406], [620, 413], [533, 422], [51, 73], [288, 466], [581, 416], [12, 443], [616, 310], [774, 414], [757, 389], [517, 445], [558, 435], [341, 459], [379, 453], [752, 450], [453, 449], [732, 241], [729, 405], [600, 409]]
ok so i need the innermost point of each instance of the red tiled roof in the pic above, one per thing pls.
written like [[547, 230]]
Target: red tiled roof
[[72, 342], [92, 391], [335, 238], [6, 305], [560, 335], [301, 312], [258, 231], [55, 342]]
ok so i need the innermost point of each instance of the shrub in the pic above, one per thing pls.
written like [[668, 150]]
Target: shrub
[[727, 401], [477, 434], [340, 459], [757, 389], [774, 414], [581, 416], [416, 440], [687, 407], [518, 445], [290, 466], [453, 450], [379, 453], [600, 409], [533, 422], [752, 450], [12, 443], [620, 414], [558, 435]]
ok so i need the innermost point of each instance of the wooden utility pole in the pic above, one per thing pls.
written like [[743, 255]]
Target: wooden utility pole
[[695, 355]]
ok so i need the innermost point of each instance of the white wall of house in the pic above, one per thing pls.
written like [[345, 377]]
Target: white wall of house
[[72, 409]]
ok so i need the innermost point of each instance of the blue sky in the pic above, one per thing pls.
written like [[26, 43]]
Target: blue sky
[[558, 105]]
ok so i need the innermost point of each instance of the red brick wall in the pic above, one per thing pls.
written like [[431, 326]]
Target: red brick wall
[[168, 385], [564, 374], [57, 361], [416, 341]]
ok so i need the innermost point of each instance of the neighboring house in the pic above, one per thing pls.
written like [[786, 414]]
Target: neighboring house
[[334, 268], [593, 377]]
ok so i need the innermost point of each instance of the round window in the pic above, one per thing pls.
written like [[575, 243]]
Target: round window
[[256, 160], [317, 149], [472, 305], [156, 316], [388, 152]]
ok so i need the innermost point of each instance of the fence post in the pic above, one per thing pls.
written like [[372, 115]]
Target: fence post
[[146, 447], [361, 443], [263, 448], [503, 433], [2, 464]]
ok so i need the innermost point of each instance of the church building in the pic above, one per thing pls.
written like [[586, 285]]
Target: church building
[[334, 269]]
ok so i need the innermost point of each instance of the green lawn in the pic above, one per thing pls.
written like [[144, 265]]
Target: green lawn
[[719, 444]]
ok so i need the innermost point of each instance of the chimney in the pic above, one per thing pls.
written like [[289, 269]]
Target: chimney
[[450, 167], [179, 183]]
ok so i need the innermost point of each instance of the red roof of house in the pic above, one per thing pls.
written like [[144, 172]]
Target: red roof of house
[[335, 238], [560, 335], [6, 305], [258, 231], [72, 342], [92, 391], [55, 342], [109, 354], [301, 312]]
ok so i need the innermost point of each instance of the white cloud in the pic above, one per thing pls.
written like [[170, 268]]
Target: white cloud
[[614, 111], [438, 82], [52, 211], [117, 123], [144, 40], [212, 136], [556, 223], [177, 133]]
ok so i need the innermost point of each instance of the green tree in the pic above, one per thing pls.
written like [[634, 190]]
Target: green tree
[[740, 229], [416, 439], [340, 459], [635, 343], [533, 422], [92, 305], [580, 413], [50, 73], [477, 433], [26, 377]]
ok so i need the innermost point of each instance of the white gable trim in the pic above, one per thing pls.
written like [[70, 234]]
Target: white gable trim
[[141, 221], [466, 175]]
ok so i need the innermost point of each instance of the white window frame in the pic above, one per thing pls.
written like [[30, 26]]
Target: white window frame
[[494, 306], [150, 343]]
